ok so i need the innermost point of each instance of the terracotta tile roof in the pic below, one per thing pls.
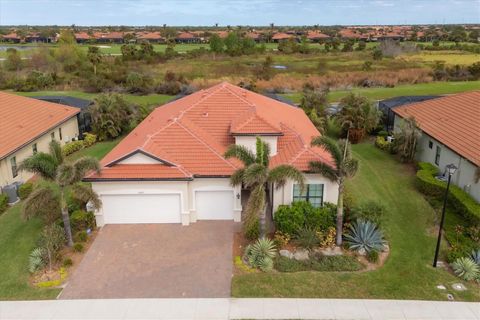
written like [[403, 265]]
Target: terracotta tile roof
[[186, 35], [312, 35], [12, 36], [140, 172], [24, 119], [253, 35], [108, 35], [453, 120], [193, 133], [281, 36], [82, 36], [149, 36]]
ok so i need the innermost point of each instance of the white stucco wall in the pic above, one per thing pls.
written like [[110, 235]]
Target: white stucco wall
[[284, 195], [69, 131], [464, 177], [139, 158], [250, 142]]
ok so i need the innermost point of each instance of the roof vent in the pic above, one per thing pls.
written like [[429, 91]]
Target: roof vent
[[205, 114], [244, 93]]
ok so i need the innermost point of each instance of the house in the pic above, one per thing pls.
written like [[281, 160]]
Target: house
[[27, 126], [84, 118], [171, 168], [316, 36], [82, 37], [152, 37], [281, 36], [108, 37], [450, 134], [11, 37], [187, 37], [255, 36]]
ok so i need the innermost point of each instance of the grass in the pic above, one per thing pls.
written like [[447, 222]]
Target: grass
[[432, 88], [151, 99], [98, 150], [407, 273], [17, 239], [449, 57]]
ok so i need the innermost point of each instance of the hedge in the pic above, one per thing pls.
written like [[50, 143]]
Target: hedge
[[72, 147], [3, 202], [458, 200]]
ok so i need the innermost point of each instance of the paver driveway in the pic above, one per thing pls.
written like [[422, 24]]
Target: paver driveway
[[156, 261]]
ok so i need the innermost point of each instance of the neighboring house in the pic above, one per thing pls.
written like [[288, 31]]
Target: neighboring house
[[316, 36], [187, 37], [27, 126], [171, 169], [281, 36], [82, 37], [152, 37], [450, 134], [84, 118]]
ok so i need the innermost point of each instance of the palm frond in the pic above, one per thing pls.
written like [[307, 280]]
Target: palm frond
[[85, 193], [255, 174], [236, 178], [325, 170], [350, 167], [56, 151], [84, 165], [241, 153], [65, 174], [255, 203], [280, 174], [43, 202], [331, 146], [42, 164]]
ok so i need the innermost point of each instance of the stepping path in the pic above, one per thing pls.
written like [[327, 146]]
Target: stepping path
[[223, 309]]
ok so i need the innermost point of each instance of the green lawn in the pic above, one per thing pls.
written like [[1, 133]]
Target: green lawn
[[98, 150], [407, 274], [432, 88], [151, 99], [17, 239]]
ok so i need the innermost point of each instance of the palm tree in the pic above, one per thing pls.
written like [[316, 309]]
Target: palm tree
[[95, 57], [406, 139], [63, 177], [345, 167], [257, 176]]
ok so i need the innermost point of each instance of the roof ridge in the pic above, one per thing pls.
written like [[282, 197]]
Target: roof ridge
[[238, 96], [207, 145]]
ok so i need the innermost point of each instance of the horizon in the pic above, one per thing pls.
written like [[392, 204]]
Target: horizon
[[255, 13]]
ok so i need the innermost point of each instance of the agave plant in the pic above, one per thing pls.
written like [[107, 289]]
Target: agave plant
[[475, 255], [364, 235], [466, 269], [261, 253], [36, 260]]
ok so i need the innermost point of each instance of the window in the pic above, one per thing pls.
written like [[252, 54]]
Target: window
[[13, 163], [34, 148], [312, 193], [430, 144], [437, 155], [60, 133], [52, 135]]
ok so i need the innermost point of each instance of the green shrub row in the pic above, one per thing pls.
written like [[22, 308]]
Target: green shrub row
[[24, 190], [77, 145], [318, 263], [290, 219], [460, 201], [3, 202]]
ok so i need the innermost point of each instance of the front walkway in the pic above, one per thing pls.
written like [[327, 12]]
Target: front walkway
[[239, 309]]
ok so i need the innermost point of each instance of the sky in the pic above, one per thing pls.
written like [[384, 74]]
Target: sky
[[236, 12]]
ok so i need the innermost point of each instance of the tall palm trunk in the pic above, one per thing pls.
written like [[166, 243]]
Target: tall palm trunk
[[66, 220], [263, 215], [340, 213]]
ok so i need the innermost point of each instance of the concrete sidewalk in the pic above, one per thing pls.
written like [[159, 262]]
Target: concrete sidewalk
[[238, 309]]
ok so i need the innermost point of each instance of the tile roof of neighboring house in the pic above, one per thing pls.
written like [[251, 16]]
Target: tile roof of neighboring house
[[281, 36], [12, 35], [149, 36], [253, 35], [222, 34], [352, 34], [192, 134], [186, 35], [312, 35], [82, 36], [24, 119], [108, 35], [453, 120]]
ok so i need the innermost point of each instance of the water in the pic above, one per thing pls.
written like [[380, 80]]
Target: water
[[20, 48]]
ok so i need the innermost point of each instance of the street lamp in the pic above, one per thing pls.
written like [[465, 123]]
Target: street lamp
[[450, 170]]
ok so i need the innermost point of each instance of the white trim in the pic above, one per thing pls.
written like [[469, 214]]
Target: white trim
[[324, 194]]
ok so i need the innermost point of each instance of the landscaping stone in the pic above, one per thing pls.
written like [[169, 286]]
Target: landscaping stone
[[441, 287], [286, 253], [362, 252], [301, 254], [450, 297], [386, 248], [459, 287]]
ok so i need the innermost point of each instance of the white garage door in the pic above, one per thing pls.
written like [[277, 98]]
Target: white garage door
[[214, 205], [151, 208]]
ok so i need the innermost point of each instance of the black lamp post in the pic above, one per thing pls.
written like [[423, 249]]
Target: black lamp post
[[450, 170]]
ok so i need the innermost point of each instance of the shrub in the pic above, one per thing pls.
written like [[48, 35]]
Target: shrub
[[460, 201], [318, 263], [261, 253], [72, 147], [82, 220], [89, 139], [3, 202], [329, 238], [370, 210], [67, 262], [364, 235], [284, 264], [320, 219], [281, 239], [78, 247], [372, 256], [251, 229], [51, 241], [307, 238], [383, 144], [36, 260], [24, 190], [466, 269], [81, 236], [289, 219], [382, 133]]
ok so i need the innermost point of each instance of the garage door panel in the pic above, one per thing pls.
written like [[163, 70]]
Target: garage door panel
[[154, 208], [214, 205]]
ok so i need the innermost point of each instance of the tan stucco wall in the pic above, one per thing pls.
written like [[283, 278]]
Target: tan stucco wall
[[250, 142], [69, 131], [464, 177]]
